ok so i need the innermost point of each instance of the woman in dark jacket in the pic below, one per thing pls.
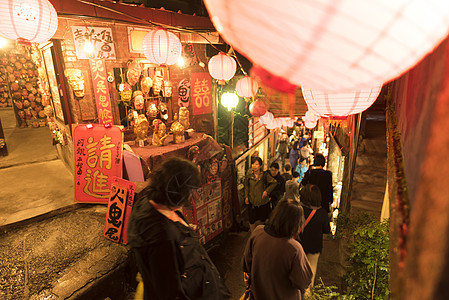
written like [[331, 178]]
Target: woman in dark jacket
[[311, 237], [168, 254]]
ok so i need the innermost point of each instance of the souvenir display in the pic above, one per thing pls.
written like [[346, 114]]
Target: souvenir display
[[163, 110], [178, 131], [167, 91], [184, 117], [19, 86], [158, 82], [146, 85], [138, 100], [152, 111], [76, 81], [134, 71], [141, 129], [159, 133], [126, 93]]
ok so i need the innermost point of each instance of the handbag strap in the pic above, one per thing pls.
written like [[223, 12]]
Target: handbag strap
[[307, 221]]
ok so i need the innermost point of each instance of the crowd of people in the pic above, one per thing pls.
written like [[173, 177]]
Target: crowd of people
[[288, 215], [281, 256]]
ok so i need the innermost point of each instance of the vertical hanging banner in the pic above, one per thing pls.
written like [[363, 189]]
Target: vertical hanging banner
[[97, 158], [201, 93], [120, 204], [101, 91]]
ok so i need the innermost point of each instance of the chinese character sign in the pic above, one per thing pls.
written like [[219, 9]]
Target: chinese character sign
[[101, 91], [99, 37], [97, 158], [201, 93]]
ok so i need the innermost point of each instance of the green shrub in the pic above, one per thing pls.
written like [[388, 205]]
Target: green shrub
[[368, 273]]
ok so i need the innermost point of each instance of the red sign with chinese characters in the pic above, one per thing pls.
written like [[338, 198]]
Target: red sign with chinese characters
[[97, 158], [101, 91], [201, 93]]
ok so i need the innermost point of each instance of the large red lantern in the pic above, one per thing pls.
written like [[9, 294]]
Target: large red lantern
[[332, 104], [222, 67], [28, 21], [257, 108], [161, 47], [333, 45], [246, 87]]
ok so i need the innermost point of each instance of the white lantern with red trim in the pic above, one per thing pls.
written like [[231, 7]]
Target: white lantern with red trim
[[162, 47], [334, 104], [334, 45], [30, 21], [222, 67], [247, 87]]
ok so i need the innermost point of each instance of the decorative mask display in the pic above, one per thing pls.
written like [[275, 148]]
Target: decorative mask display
[[167, 91], [141, 128], [163, 110], [178, 131], [184, 117], [152, 111], [127, 93], [146, 85], [138, 100], [134, 71], [158, 82], [76, 81], [159, 132]]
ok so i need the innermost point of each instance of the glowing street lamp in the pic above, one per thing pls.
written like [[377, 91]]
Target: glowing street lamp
[[230, 101]]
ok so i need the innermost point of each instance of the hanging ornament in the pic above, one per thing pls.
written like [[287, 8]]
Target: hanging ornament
[[247, 87], [257, 108], [310, 116], [30, 21], [134, 71], [161, 47], [335, 45], [222, 67], [330, 104], [158, 82], [138, 100]]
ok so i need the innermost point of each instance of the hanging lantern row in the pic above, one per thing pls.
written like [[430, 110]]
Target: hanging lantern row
[[247, 87], [222, 67], [30, 21], [162, 47], [338, 45], [328, 104]]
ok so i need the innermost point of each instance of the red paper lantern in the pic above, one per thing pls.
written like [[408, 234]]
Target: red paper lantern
[[332, 45], [246, 87], [330, 104], [222, 67], [161, 47], [258, 108], [32, 21]]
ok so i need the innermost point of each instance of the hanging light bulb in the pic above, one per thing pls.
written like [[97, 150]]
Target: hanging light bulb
[[181, 61], [229, 100], [89, 47]]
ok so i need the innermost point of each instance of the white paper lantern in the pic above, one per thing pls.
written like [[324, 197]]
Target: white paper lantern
[[310, 124], [222, 67], [161, 47], [334, 45], [266, 118], [32, 21], [334, 104], [310, 116], [275, 123], [246, 87]]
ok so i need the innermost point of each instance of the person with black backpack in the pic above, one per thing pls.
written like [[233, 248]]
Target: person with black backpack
[[258, 186]]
